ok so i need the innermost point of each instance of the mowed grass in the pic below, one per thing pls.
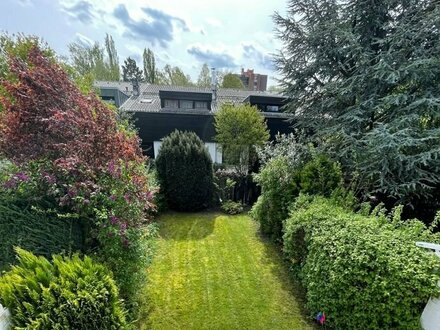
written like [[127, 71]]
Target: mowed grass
[[214, 272]]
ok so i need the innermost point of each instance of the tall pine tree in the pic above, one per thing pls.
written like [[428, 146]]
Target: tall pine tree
[[130, 70]]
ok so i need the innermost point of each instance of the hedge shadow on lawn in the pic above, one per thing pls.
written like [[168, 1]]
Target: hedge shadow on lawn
[[281, 270], [189, 227]]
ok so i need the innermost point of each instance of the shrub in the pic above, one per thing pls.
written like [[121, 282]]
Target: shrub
[[128, 260], [320, 176], [278, 189], [41, 232], [69, 293], [82, 161], [363, 271], [281, 181], [184, 167], [231, 207]]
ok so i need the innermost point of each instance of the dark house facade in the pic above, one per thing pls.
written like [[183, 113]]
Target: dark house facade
[[159, 110]]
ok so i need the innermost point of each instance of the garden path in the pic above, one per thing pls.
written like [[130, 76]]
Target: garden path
[[214, 271]]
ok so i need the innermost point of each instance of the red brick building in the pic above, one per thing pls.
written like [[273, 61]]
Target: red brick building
[[253, 81]]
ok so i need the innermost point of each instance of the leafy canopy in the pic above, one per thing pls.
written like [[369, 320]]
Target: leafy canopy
[[150, 73], [239, 129], [204, 79], [101, 62], [231, 80]]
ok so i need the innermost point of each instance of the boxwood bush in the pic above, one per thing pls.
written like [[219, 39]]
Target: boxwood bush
[[67, 293], [231, 207], [185, 172], [363, 271]]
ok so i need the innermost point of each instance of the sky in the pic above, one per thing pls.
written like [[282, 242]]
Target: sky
[[225, 34]]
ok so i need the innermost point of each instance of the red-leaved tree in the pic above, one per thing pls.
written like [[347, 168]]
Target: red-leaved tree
[[46, 117]]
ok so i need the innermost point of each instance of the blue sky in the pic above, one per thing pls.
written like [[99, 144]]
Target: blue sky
[[226, 34]]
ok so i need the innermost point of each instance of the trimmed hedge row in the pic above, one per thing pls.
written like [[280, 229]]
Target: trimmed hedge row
[[363, 271], [40, 232]]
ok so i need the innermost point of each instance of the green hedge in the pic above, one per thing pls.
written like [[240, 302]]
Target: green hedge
[[363, 271], [40, 232], [69, 293]]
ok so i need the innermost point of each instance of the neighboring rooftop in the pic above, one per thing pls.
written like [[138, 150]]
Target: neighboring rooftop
[[149, 99]]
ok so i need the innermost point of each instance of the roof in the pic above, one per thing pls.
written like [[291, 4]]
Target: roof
[[123, 86], [149, 100]]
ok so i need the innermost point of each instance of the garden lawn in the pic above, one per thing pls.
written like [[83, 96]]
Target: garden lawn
[[213, 271]]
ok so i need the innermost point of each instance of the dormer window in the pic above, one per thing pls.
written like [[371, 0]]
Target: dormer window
[[273, 108], [173, 104], [185, 99], [201, 105], [184, 104]]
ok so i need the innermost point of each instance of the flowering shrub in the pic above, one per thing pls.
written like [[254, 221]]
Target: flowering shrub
[[70, 154]]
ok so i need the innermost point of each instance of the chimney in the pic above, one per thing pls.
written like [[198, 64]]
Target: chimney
[[214, 84], [135, 84]]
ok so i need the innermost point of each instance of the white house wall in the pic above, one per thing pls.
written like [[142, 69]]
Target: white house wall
[[213, 148]]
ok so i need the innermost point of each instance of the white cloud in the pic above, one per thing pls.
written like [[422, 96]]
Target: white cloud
[[214, 22], [82, 39]]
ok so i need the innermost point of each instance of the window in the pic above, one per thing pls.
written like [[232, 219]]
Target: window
[[272, 108], [171, 104], [201, 105], [186, 104]]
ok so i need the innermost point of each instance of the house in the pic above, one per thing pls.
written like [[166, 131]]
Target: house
[[159, 110]]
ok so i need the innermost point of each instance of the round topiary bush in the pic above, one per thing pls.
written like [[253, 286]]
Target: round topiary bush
[[184, 168]]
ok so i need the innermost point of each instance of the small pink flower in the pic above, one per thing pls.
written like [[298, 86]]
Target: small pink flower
[[10, 184], [22, 176], [114, 220]]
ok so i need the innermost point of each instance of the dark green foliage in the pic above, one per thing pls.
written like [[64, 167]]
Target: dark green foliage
[[69, 293], [130, 70], [41, 232], [366, 78], [184, 168], [320, 176], [128, 261], [363, 271], [231, 207]]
